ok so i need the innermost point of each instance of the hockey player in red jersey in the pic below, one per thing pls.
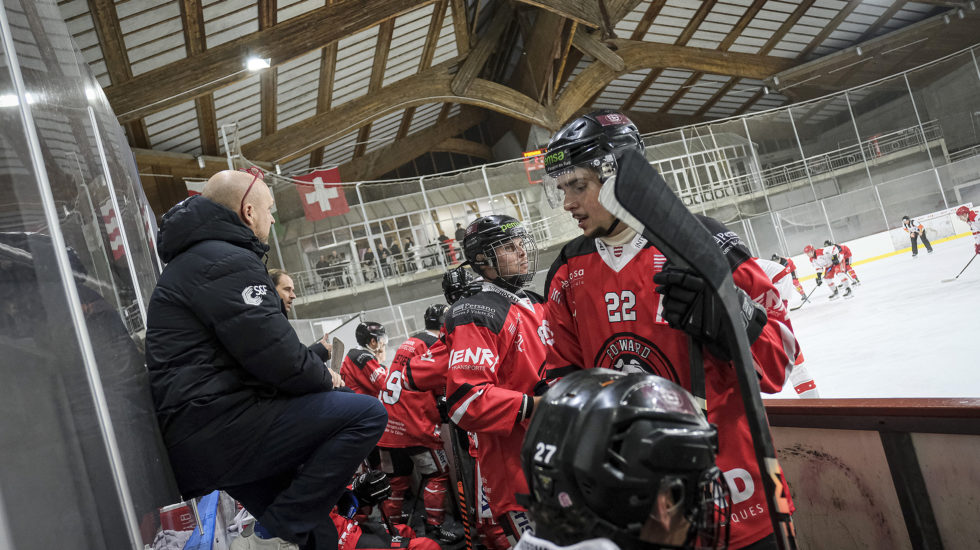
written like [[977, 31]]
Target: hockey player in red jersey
[[605, 311], [790, 268], [827, 263], [845, 255], [497, 339], [362, 369], [412, 439], [973, 220], [798, 375]]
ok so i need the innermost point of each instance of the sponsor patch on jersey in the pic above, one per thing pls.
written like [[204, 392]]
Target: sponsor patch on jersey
[[472, 359], [252, 295], [627, 352]]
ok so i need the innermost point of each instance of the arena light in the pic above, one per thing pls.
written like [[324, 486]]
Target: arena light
[[8, 100], [257, 63]]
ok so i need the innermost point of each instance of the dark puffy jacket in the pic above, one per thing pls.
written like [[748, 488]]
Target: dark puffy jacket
[[221, 355]]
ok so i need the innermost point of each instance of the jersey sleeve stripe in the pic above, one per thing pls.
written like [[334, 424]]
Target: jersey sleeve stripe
[[461, 410]]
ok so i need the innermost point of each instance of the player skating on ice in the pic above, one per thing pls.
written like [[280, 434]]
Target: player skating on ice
[[606, 310], [845, 255], [623, 461], [973, 220], [827, 265], [791, 269], [798, 375], [497, 339]]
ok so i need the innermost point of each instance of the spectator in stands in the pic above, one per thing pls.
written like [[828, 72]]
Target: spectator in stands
[[367, 265], [460, 234], [446, 247], [396, 257], [323, 271], [242, 404], [409, 253], [384, 255]]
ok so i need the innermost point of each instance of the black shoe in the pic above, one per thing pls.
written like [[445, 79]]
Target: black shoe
[[834, 295], [847, 292], [441, 535]]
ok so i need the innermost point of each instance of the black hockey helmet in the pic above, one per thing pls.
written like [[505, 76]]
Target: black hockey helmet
[[458, 282], [435, 316], [369, 330], [828, 243], [589, 141], [775, 257], [485, 236], [629, 457]]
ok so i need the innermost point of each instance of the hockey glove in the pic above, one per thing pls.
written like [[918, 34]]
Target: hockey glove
[[689, 305], [819, 280], [978, 248], [372, 487]]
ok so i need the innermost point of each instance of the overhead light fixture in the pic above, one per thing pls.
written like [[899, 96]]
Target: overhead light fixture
[[960, 14], [973, 5], [765, 90], [8, 100], [278, 170], [90, 93], [200, 161], [860, 51], [775, 79], [258, 63], [946, 19]]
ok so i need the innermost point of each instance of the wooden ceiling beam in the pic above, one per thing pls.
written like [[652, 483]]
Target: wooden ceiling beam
[[641, 55], [653, 10], [324, 93], [114, 53], [267, 78], [588, 44], [722, 92], [829, 28], [432, 37], [195, 42], [726, 43], [751, 101], [401, 151], [584, 12], [184, 164], [222, 65], [885, 17], [462, 146], [685, 36], [302, 137], [787, 25], [477, 58], [385, 33], [460, 29]]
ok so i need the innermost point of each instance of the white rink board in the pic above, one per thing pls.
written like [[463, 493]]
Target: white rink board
[[904, 334]]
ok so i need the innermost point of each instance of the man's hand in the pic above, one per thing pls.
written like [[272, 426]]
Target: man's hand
[[372, 487], [338, 382], [819, 279], [689, 305], [326, 340]]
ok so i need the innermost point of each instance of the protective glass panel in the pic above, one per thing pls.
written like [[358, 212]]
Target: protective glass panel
[[835, 160], [765, 236], [803, 225], [59, 438], [947, 95], [855, 214], [783, 170]]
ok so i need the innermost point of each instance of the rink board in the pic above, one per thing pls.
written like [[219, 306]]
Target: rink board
[[881, 473]]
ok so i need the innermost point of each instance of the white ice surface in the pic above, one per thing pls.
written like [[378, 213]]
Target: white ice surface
[[905, 333]]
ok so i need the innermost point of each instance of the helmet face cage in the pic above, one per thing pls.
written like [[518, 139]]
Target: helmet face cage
[[495, 249], [709, 512], [459, 282]]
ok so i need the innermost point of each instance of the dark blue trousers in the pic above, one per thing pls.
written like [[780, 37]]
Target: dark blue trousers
[[306, 460]]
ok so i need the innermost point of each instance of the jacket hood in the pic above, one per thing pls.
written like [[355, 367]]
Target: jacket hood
[[197, 219]]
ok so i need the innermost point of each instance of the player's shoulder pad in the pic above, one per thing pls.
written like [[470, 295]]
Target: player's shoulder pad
[[731, 245], [485, 309], [360, 357], [427, 338], [534, 297], [579, 246]]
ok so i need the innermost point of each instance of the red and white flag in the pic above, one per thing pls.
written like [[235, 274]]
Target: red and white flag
[[111, 222], [194, 187], [320, 198]]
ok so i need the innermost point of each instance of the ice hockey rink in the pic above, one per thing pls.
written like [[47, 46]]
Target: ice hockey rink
[[905, 333]]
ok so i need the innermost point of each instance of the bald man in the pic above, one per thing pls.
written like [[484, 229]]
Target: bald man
[[242, 404]]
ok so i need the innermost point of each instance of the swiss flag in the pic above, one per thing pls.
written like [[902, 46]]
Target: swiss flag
[[112, 229], [194, 187], [319, 198]]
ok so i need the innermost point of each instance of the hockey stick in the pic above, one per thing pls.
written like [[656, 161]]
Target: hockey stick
[[805, 298], [396, 537], [962, 270], [336, 355], [640, 198], [465, 477]]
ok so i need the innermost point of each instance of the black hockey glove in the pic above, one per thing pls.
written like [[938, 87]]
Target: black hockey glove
[[443, 407], [689, 305], [819, 280], [372, 487]]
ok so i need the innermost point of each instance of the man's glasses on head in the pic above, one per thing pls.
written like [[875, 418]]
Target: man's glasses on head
[[257, 174]]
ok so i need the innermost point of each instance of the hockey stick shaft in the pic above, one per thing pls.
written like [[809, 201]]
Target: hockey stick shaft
[[462, 479], [639, 197], [805, 298], [966, 266]]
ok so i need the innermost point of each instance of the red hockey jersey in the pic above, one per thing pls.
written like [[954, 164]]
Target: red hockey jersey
[[497, 342], [604, 312], [427, 372], [413, 419], [362, 372]]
